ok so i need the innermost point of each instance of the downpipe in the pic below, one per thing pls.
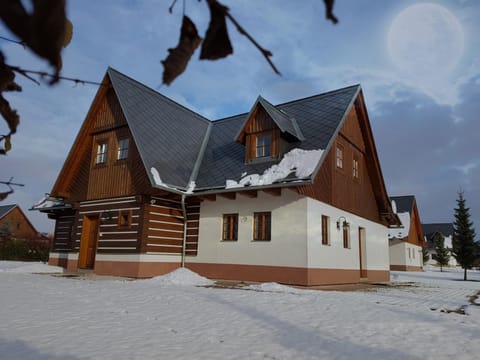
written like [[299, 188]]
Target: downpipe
[[184, 243]]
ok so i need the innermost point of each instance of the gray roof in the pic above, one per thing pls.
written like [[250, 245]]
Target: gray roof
[[404, 203], [446, 229], [5, 209], [184, 146], [161, 128], [319, 117]]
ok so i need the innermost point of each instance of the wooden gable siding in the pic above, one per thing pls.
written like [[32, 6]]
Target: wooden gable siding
[[415, 233], [114, 177], [64, 237], [18, 225], [259, 124], [338, 187], [113, 236]]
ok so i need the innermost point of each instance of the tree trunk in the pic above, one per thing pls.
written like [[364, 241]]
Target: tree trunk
[[441, 268], [465, 274]]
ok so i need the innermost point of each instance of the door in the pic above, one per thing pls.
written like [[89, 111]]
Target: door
[[88, 242], [362, 249]]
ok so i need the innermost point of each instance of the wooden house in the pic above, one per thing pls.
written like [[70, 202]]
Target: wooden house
[[406, 242], [291, 193], [14, 224], [434, 231]]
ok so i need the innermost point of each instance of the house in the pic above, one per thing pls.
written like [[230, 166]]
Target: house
[[432, 232], [14, 224], [291, 193], [406, 243]]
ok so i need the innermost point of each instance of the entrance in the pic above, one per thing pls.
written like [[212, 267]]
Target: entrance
[[88, 242], [362, 249]]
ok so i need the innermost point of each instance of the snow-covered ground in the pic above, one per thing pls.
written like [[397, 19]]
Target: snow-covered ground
[[179, 317]]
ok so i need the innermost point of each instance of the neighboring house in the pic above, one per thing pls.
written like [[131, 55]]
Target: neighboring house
[[432, 231], [406, 242], [15, 225], [291, 193]]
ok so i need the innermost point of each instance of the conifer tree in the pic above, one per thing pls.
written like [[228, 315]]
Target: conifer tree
[[464, 247], [442, 254]]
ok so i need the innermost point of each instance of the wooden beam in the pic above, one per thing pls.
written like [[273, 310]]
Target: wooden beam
[[229, 195], [249, 193], [273, 191], [210, 197]]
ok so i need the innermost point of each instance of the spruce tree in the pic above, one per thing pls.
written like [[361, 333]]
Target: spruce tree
[[464, 247], [442, 254]]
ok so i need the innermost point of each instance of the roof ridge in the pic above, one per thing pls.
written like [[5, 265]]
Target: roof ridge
[[319, 95], [149, 89]]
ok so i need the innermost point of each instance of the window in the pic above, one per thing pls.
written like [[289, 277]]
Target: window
[[346, 237], [124, 217], [263, 146], [339, 156], [262, 226], [355, 168], [122, 149], [230, 227], [325, 230], [101, 153], [409, 255]]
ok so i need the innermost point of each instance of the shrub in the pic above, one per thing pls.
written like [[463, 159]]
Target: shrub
[[23, 250]]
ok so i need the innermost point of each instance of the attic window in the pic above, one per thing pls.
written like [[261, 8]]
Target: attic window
[[101, 157], [339, 156], [263, 146], [122, 149]]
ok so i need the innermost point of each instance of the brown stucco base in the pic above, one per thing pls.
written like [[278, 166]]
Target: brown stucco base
[[255, 273], [63, 261], [134, 269], [405, 268], [285, 275]]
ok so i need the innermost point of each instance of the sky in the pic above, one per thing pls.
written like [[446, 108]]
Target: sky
[[417, 61]]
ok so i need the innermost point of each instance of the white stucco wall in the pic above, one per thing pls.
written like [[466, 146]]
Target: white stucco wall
[[287, 246], [403, 253], [335, 255]]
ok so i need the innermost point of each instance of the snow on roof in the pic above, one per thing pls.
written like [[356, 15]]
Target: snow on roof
[[402, 232], [301, 162]]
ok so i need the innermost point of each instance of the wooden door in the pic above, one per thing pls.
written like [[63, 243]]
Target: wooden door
[[362, 252], [88, 242]]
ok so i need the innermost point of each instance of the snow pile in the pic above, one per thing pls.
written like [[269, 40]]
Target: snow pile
[[28, 267], [400, 233], [274, 287], [182, 276], [301, 162]]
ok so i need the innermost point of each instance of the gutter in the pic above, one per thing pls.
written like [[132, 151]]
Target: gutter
[[184, 243]]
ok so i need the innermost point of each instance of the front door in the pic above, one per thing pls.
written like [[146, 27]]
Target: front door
[[362, 249], [88, 242]]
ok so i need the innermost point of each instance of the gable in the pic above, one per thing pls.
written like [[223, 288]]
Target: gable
[[18, 224], [364, 194]]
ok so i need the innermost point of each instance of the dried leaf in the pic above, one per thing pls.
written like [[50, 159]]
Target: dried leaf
[[8, 144], [329, 11], [43, 31], [177, 60], [48, 30], [6, 75], [217, 43], [9, 114], [3, 195], [68, 33], [16, 18]]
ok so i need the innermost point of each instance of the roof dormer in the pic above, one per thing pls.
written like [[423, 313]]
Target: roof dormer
[[267, 131]]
